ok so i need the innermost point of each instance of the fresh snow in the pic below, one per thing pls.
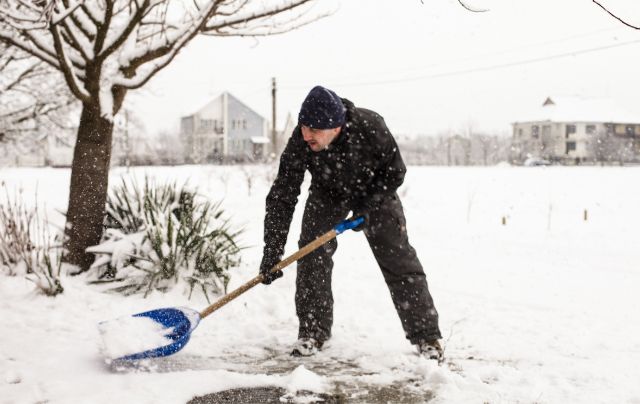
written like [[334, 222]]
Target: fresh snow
[[542, 309], [129, 335]]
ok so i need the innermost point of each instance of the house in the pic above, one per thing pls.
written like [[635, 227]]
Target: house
[[225, 129], [575, 130]]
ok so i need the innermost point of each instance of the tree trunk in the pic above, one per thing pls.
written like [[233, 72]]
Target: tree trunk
[[89, 184]]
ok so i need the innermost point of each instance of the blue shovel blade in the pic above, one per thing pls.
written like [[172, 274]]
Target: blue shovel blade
[[182, 321]]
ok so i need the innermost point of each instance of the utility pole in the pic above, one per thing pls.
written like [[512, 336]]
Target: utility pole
[[274, 134]]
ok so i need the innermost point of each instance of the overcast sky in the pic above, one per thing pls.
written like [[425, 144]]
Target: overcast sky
[[426, 67]]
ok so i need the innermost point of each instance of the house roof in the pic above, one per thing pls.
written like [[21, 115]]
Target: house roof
[[580, 109], [197, 106]]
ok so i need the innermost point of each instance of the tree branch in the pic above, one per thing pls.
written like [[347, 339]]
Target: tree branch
[[24, 74], [473, 10], [30, 47], [67, 68], [122, 37], [615, 16], [256, 16], [103, 28], [56, 18]]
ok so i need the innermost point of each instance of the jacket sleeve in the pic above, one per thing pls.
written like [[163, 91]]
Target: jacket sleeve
[[283, 196], [389, 172]]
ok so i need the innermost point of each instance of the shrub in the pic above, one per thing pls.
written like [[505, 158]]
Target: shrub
[[26, 244], [161, 236]]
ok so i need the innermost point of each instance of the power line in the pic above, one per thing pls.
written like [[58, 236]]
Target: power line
[[491, 67], [475, 57]]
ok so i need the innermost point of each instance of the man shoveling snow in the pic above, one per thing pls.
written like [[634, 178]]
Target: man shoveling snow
[[355, 166]]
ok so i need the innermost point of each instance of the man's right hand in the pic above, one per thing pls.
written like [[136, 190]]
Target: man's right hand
[[360, 213], [268, 262]]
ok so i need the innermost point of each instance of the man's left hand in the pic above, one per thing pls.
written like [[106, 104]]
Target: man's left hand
[[268, 262]]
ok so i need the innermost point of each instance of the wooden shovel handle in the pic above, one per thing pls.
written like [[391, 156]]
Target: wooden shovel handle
[[279, 266]]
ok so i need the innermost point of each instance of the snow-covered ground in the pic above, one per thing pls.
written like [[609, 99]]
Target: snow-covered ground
[[543, 308]]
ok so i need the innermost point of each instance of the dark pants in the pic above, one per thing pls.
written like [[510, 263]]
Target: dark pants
[[387, 236]]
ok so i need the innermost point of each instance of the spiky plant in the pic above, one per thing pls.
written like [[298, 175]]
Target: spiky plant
[[184, 239]]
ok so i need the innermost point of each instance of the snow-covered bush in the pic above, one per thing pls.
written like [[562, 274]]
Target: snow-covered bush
[[161, 236], [27, 246]]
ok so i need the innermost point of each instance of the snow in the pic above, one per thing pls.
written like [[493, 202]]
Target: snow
[[129, 335], [542, 309], [303, 379]]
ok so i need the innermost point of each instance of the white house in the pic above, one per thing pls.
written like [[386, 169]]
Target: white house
[[225, 129], [576, 129]]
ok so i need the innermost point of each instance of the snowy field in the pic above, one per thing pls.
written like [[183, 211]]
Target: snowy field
[[541, 309]]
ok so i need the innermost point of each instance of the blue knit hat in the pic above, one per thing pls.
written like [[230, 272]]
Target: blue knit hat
[[322, 109]]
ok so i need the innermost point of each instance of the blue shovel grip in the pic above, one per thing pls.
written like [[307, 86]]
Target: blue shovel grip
[[348, 225]]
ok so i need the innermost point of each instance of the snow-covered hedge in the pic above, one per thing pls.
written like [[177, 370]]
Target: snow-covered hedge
[[27, 247], [162, 236]]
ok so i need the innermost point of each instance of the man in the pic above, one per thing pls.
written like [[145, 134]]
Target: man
[[355, 166]]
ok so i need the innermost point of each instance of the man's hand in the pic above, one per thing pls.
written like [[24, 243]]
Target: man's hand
[[363, 214], [268, 262]]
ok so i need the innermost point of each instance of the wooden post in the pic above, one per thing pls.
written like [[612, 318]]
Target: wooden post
[[585, 215], [504, 220], [274, 133]]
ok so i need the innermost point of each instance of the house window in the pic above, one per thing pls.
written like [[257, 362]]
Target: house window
[[570, 129], [620, 129], [535, 131], [609, 127], [546, 131], [571, 146], [519, 132], [218, 129], [628, 130], [591, 129], [244, 124]]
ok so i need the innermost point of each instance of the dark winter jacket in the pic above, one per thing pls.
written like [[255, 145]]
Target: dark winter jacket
[[360, 168]]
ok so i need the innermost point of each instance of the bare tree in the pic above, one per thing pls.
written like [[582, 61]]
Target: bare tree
[[106, 48]]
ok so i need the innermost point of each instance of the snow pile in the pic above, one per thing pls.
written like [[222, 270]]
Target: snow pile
[[129, 335], [302, 379]]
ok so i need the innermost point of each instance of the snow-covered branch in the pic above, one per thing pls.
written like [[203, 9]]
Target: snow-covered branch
[[29, 47], [57, 17], [32, 98], [106, 47], [248, 17], [66, 67]]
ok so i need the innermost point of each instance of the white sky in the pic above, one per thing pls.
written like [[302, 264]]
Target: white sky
[[426, 67]]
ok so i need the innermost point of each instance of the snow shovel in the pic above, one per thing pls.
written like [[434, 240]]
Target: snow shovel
[[174, 326]]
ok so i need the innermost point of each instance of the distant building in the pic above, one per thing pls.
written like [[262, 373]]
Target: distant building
[[225, 129], [574, 130]]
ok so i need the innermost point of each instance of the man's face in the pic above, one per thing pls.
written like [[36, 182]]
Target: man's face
[[319, 139]]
